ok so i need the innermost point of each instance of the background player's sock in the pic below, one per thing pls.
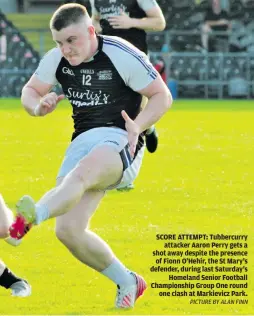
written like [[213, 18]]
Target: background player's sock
[[8, 278]]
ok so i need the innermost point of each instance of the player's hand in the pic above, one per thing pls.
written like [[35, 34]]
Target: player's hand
[[48, 104], [122, 21], [133, 132]]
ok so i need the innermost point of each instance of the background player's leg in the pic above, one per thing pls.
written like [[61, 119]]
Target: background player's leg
[[6, 218], [8, 279]]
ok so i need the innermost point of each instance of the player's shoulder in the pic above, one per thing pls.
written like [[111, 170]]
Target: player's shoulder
[[127, 59], [119, 46]]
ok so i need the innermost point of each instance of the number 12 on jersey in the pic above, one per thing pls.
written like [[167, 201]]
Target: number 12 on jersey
[[86, 80]]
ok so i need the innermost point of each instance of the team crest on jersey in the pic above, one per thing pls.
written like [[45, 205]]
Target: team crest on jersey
[[68, 71], [105, 75]]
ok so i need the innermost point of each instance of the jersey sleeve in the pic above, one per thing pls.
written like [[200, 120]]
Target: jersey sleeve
[[146, 5], [133, 65], [139, 72], [46, 71]]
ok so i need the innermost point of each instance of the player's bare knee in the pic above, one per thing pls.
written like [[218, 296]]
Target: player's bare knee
[[67, 233], [63, 233]]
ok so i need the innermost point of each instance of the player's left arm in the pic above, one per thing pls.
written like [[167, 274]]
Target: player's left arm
[[141, 76], [144, 79], [154, 20], [159, 102]]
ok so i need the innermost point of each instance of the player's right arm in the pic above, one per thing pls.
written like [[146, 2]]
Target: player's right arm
[[36, 96]]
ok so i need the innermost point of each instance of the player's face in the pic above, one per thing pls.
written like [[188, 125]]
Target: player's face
[[75, 42]]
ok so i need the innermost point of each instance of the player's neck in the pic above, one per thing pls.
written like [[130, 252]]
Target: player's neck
[[94, 49]]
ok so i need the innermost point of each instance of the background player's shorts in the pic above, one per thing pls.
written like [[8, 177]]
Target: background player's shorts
[[115, 137]]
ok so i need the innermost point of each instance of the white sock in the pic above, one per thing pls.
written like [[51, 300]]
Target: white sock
[[119, 274], [150, 130], [42, 213]]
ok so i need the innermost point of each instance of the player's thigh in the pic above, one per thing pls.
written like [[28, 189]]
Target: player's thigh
[[94, 155], [101, 168]]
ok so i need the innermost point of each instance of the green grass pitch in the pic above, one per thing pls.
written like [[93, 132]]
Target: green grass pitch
[[199, 181]]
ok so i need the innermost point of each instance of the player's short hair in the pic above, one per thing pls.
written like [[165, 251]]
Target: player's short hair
[[66, 15]]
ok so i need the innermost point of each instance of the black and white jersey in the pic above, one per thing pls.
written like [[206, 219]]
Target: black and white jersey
[[133, 8], [103, 86], [212, 16]]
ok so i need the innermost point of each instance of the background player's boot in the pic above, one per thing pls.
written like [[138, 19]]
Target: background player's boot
[[21, 288], [151, 139]]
